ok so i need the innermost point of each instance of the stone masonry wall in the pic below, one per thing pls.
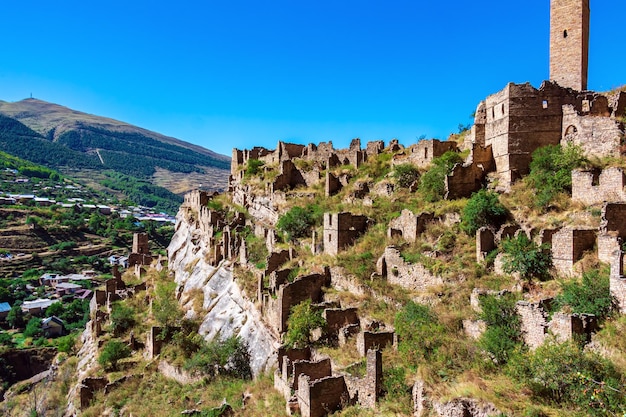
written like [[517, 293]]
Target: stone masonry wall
[[568, 246], [596, 135], [341, 230], [398, 272], [589, 187]]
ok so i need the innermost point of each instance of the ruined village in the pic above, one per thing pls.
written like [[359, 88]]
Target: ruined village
[[375, 245]]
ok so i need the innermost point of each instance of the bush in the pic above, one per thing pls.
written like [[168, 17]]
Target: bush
[[551, 171], [33, 328], [405, 175], [112, 353], [432, 184], [253, 167], [591, 295], [482, 209], [303, 320], [222, 357], [565, 375], [503, 334], [298, 222], [419, 333], [524, 256], [122, 317]]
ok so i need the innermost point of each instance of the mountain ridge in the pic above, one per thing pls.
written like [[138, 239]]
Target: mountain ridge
[[52, 120]]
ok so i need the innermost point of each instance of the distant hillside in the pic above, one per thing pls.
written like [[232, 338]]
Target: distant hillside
[[63, 138]]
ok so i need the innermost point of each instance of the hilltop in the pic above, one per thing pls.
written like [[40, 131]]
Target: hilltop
[[70, 140]]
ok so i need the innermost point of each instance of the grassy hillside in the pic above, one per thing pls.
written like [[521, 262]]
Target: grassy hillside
[[62, 138]]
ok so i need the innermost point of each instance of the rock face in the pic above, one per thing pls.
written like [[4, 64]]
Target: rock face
[[226, 311]]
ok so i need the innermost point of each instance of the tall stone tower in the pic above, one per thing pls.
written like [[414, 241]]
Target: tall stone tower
[[569, 43]]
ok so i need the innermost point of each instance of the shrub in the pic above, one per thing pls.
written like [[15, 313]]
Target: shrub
[[551, 171], [419, 333], [565, 375], [122, 317], [482, 209], [253, 167], [503, 334], [524, 256], [432, 184], [33, 328], [591, 295], [222, 357], [298, 222], [112, 353], [303, 320], [405, 175]]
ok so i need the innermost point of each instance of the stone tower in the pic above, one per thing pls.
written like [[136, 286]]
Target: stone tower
[[569, 43]]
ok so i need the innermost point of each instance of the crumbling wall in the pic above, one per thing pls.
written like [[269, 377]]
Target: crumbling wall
[[399, 272], [485, 243], [305, 288], [618, 280], [518, 120], [409, 225], [568, 246], [422, 153], [590, 187], [469, 177], [597, 135], [321, 397], [534, 321], [341, 230], [373, 340]]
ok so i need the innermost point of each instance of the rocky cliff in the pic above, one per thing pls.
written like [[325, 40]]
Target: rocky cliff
[[226, 311]]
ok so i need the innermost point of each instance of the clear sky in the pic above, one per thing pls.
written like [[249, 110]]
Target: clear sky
[[240, 73]]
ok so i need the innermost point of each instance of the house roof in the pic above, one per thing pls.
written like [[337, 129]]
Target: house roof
[[50, 321], [68, 286], [39, 303], [4, 307]]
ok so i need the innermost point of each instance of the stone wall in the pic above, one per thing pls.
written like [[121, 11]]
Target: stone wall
[[409, 226], [277, 309], [398, 272], [485, 243], [337, 318], [322, 397], [341, 230], [568, 246], [469, 177], [534, 321], [597, 135], [518, 120], [313, 369], [591, 187], [618, 280], [376, 341], [536, 326], [423, 152]]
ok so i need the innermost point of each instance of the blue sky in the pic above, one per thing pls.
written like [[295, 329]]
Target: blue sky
[[239, 73]]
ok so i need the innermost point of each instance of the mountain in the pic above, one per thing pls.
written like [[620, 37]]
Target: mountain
[[67, 139]]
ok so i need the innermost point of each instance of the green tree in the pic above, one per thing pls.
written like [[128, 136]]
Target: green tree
[[503, 335], [405, 175], [112, 352], [551, 171], [432, 184], [15, 318], [298, 221], [565, 375], [590, 295], [56, 309], [253, 167], [33, 328], [482, 209], [303, 320], [525, 257]]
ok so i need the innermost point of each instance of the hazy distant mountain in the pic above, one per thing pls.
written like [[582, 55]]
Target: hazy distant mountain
[[63, 138]]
